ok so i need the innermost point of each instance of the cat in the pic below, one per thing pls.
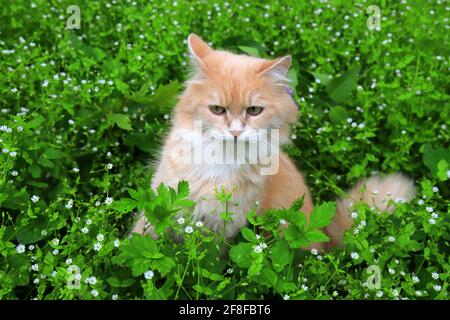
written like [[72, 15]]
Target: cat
[[235, 97]]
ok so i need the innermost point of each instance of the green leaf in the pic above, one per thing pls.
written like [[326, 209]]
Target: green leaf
[[432, 156], [254, 269], [295, 237], [340, 88], [139, 253], [338, 114], [35, 171], [122, 87], [442, 172], [45, 162], [163, 265], [316, 236], [322, 215], [252, 51], [120, 283], [322, 77], [212, 276], [268, 277], [38, 184], [143, 141], [280, 255], [52, 154], [166, 96], [32, 231], [404, 61], [20, 264], [248, 234], [241, 254], [125, 205], [121, 120], [235, 42]]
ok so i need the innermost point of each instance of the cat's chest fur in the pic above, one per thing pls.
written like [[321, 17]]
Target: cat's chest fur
[[243, 181]]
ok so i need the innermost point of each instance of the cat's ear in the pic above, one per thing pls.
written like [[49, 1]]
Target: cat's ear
[[278, 67], [198, 48]]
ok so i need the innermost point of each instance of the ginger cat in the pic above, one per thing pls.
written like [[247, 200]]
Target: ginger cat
[[233, 97]]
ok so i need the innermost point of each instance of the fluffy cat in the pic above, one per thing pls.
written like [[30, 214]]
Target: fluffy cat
[[234, 96]]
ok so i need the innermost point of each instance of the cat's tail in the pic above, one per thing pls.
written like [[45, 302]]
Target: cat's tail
[[381, 193]]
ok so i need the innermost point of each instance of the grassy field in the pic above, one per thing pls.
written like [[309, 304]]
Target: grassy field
[[83, 112]]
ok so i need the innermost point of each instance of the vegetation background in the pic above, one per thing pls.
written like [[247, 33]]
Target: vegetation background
[[83, 113]]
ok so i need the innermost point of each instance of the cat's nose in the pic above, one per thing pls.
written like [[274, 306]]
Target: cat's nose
[[235, 133]]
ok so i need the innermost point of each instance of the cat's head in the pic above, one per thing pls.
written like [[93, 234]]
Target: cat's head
[[236, 95]]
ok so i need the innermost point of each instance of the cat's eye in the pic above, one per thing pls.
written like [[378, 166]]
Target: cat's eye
[[217, 109], [254, 110]]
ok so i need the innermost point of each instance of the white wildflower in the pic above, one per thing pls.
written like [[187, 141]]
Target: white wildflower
[[149, 274], [69, 204], [20, 248], [258, 248], [91, 280], [199, 224], [395, 292]]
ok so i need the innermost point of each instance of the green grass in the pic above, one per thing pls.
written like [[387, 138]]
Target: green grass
[[74, 101]]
